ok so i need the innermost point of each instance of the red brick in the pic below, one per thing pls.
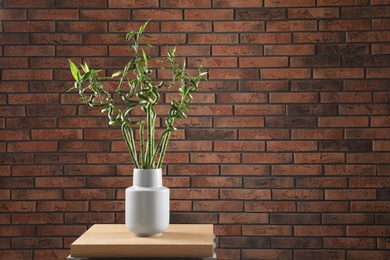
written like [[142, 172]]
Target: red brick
[[263, 62], [188, 51], [129, 26], [16, 206], [105, 15], [289, 50], [16, 254], [270, 206], [368, 36], [319, 230], [185, 4], [44, 38], [89, 170], [56, 134], [319, 158], [372, 206], [369, 182], [264, 38], [349, 170], [89, 218], [241, 98], [32, 147], [323, 206], [236, 3], [186, 26], [234, 74], [318, 37], [245, 169], [84, 50], [28, 26], [109, 182], [381, 146], [276, 3], [47, 14], [368, 231], [356, 254], [81, 27], [381, 97], [236, 194], [239, 26], [264, 85], [260, 14], [5, 170], [291, 146], [200, 181], [80, 4], [380, 48], [259, 110], [285, 73], [338, 73], [297, 13], [212, 62], [194, 193], [161, 14], [37, 218], [266, 254], [267, 158], [51, 182], [361, 109], [14, 63], [347, 218], [238, 146], [214, 158], [37, 50], [212, 39], [12, 111], [343, 121], [377, 72], [28, 4], [264, 134], [344, 25], [368, 158], [296, 169], [321, 182], [53, 254], [273, 26], [317, 134], [384, 243], [297, 194], [36, 170], [236, 50], [205, 15], [228, 253], [227, 230], [319, 254], [220, 206], [108, 205], [27, 74], [341, 2], [132, 3], [243, 218], [350, 194], [266, 230], [10, 135], [366, 133], [293, 98], [62, 206], [13, 14], [37, 242], [295, 242]]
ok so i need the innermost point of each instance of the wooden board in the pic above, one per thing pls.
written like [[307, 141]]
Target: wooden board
[[114, 240]]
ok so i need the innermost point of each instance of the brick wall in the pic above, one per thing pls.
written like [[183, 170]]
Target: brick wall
[[286, 150]]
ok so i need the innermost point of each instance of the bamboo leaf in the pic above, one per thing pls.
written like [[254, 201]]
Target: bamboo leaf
[[75, 71]]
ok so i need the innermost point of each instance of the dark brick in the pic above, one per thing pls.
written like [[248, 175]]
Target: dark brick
[[260, 14], [342, 49], [290, 121], [316, 85], [244, 242], [211, 134], [345, 146], [311, 109]]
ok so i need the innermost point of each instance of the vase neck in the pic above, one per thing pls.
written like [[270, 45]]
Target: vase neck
[[147, 177]]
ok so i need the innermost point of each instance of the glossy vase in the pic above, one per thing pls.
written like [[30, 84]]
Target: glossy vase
[[147, 203]]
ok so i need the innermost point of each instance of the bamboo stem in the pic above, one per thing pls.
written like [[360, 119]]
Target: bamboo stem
[[129, 140]]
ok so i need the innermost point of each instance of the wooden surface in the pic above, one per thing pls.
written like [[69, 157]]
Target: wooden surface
[[114, 240]]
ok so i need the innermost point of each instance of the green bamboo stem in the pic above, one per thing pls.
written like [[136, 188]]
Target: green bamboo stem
[[163, 150], [129, 140], [142, 144]]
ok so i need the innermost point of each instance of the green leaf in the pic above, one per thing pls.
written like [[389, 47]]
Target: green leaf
[[75, 71], [116, 74], [87, 75]]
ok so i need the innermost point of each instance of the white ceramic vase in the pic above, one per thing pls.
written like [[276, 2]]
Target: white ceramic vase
[[147, 203]]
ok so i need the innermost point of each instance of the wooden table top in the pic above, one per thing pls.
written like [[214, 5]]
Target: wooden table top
[[114, 240]]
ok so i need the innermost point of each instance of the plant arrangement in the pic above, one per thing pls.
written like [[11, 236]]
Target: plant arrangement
[[141, 90]]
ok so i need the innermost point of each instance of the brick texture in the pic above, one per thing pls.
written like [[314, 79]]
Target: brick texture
[[285, 151]]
